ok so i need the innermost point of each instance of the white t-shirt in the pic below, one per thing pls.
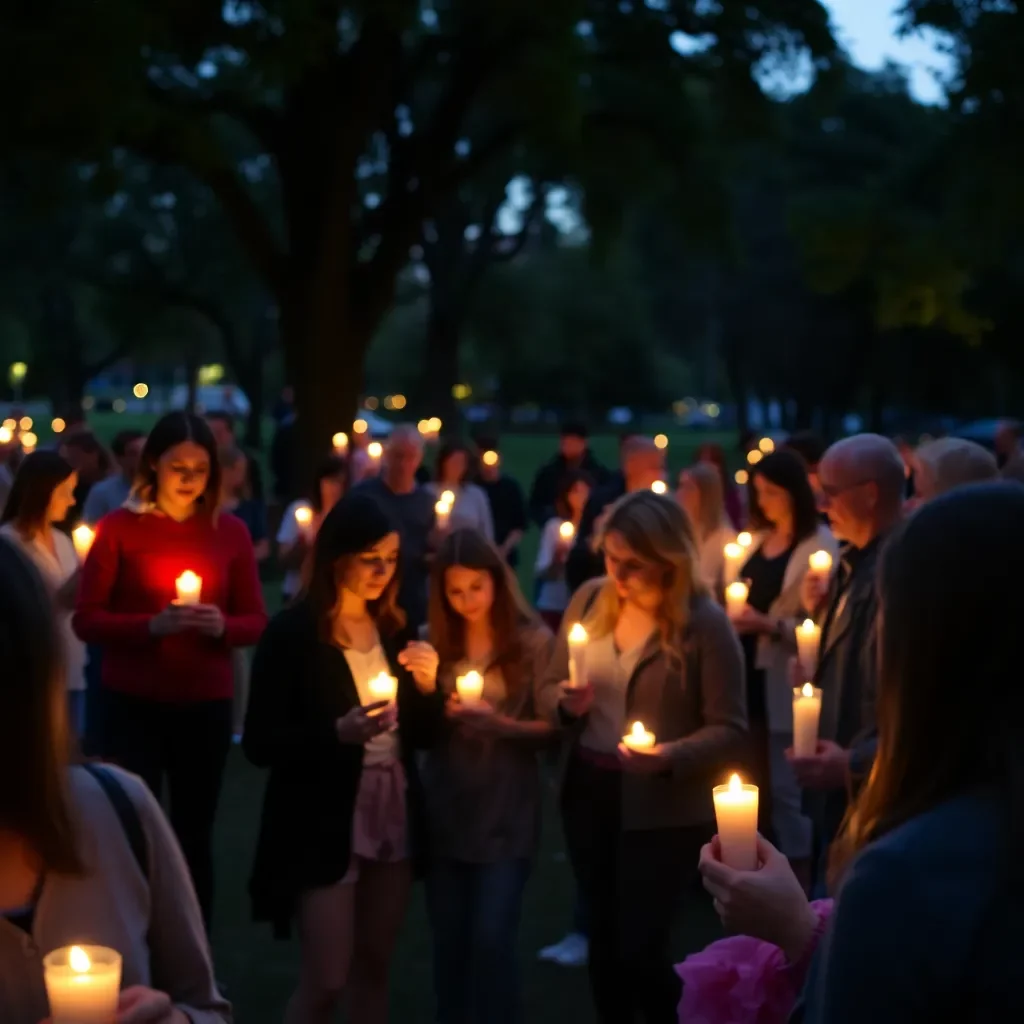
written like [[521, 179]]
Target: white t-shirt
[[367, 665], [288, 533], [56, 571], [471, 511], [552, 595]]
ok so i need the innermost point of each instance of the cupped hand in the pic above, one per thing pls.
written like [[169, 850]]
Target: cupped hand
[[175, 618], [750, 620], [421, 660], [208, 619], [577, 700], [643, 762], [827, 768], [363, 722], [767, 904]]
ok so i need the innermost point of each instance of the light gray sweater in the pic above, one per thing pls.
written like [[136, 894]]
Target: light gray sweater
[[155, 925]]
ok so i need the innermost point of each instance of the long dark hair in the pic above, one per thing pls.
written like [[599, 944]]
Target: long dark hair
[[331, 466], [510, 613], [447, 450], [35, 740], [951, 608], [355, 524], [566, 482], [38, 476], [173, 429], [787, 470]]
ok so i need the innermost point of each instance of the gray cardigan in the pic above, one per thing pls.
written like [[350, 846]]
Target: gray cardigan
[[694, 704]]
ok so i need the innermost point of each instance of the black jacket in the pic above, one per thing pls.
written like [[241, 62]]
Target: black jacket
[[548, 481], [583, 562], [301, 686]]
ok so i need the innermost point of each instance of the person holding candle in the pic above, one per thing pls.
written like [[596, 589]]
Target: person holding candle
[[786, 532], [295, 537], [168, 674], [69, 871], [506, 498], [483, 780], [926, 921], [470, 508], [574, 456], [661, 652], [701, 497], [110, 494], [42, 493], [553, 551], [343, 822]]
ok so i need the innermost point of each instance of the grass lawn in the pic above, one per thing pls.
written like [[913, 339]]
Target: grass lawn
[[260, 972]]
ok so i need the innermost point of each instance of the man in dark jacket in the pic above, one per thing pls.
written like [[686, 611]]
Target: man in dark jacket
[[862, 483], [573, 455]]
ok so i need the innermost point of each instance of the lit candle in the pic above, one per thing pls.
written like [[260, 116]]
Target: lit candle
[[736, 814], [735, 556], [736, 598], [820, 562], [83, 984], [806, 712], [375, 450], [470, 687], [659, 487], [443, 512], [638, 738], [340, 442], [808, 640], [383, 687], [577, 655], [82, 537], [448, 497], [303, 516], [491, 459], [745, 539], [189, 586], [566, 532]]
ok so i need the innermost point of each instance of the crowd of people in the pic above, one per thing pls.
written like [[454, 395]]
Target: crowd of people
[[407, 701]]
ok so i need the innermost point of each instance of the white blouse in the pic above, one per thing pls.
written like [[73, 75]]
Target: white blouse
[[367, 665]]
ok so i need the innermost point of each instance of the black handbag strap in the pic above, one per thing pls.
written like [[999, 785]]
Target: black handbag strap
[[127, 814]]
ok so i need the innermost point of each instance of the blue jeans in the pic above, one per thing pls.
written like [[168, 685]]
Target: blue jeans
[[474, 914]]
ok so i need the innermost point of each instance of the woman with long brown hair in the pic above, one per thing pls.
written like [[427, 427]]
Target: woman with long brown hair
[[168, 673], [483, 781], [927, 921], [660, 651], [343, 820]]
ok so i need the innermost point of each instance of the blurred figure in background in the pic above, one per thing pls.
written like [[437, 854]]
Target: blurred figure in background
[[508, 503], [112, 493], [573, 455], [471, 509], [700, 496], [553, 552], [91, 462], [950, 462], [1007, 442], [810, 447], [714, 455], [237, 498], [223, 426]]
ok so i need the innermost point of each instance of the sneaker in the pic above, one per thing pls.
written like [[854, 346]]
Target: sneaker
[[572, 951]]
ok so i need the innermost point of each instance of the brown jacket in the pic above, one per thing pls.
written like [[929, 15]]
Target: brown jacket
[[695, 706]]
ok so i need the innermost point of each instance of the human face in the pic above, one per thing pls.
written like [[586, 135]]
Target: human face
[[846, 500], [688, 496], [332, 489], [62, 500], [368, 574], [572, 447], [129, 462], [637, 580], [223, 433], [775, 501], [470, 592], [577, 498], [403, 459], [182, 474], [455, 468]]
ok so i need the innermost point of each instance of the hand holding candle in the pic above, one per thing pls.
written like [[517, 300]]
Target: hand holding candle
[[808, 640], [82, 537], [736, 814], [189, 587], [806, 714], [82, 984], [736, 598], [470, 688]]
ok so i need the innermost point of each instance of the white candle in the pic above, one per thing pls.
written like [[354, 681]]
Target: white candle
[[470, 687], [659, 487], [735, 556], [442, 511], [189, 586], [83, 984], [566, 532], [820, 562], [82, 537], [806, 713], [383, 687], [808, 640], [736, 598], [745, 539], [638, 738], [303, 516], [340, 442], [736, 814], [578, 640]]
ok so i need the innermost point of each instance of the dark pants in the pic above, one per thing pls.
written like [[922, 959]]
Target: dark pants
[[186, 744], [632, 883], [474, 915], [92, 740]]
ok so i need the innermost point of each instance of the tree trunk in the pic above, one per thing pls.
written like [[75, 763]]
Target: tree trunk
[[442, 369]]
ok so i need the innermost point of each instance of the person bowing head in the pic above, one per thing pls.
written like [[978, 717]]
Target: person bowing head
[[342, 697]]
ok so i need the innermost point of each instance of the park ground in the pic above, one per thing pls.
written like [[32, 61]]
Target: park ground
[[259, 973]]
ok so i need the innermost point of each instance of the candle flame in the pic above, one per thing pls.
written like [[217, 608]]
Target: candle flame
[[735, 783], [659, 487], [442, 508], [383, 686], [82, 536], [375, 449], [577, 635], [737, 590], [79, 960], [638, 731], [303, 515], [807, 626], [808, 690], [340, 440], [821, 561], [490, 458], [733, 551], [745, 539], [189, 581], [448, 497], [567, 531]]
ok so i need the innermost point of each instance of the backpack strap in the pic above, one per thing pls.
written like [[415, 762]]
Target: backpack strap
[[127, 813]]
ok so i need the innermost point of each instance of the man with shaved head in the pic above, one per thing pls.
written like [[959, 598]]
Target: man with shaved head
[[643, 462], [862, 482]]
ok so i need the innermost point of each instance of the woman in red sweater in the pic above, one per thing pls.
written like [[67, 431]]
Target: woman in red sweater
[[167, 666]]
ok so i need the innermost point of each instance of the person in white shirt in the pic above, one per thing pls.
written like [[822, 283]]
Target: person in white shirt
[[294, 538], [552, 589], [42, 494], [702, 497], [471, 510]]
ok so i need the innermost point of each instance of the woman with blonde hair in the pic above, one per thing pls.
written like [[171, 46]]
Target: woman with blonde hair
[[702, 497], [661, 652], [949, 462], [483, 779]]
